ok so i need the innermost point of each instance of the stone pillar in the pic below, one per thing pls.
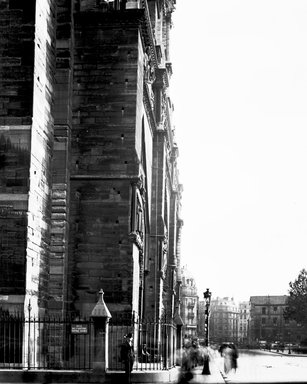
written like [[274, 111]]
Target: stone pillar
[[101, 316], [179, 324]]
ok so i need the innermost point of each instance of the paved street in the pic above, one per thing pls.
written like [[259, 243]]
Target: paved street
[[256, 367], [253, 367], [263, 366]]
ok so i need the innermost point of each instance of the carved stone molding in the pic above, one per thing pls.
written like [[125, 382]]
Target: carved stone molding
[[161, 80], [147, 100], [137, 238], [140, 184], [149, 67], [164, 252]]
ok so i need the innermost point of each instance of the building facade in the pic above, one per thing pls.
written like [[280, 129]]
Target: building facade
[[244, 320], [224, 320], [89, 189], [267, 322], [189, 304]]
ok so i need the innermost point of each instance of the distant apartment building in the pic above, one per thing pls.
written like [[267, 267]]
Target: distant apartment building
[[189, 303], [267, 321], [244, 318], [224, 320]]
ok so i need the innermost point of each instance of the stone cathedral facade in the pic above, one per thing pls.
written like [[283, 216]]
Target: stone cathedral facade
[[89, 190]]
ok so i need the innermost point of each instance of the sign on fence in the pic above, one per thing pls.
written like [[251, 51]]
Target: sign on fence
[[79, 329]]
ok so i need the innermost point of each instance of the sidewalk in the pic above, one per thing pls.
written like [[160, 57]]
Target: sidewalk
[[138, 377], [215, 377], [172, 377]]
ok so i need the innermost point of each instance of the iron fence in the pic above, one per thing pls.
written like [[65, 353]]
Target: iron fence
[[45, 343], [66, 344], [154, 344]]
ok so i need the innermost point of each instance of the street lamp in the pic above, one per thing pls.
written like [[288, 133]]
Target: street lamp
[[207, 297]]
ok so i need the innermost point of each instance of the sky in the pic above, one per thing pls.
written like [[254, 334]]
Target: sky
[[239, 89]]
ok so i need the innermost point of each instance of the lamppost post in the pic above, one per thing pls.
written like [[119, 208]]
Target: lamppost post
[[207, 297]]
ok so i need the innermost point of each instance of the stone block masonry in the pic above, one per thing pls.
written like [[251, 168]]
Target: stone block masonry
[[104, 162], [85, 147], [57, 290], [27, 49]]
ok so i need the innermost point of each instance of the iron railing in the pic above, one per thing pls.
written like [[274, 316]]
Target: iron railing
[[154, 342], [45, 343], [66, 344]]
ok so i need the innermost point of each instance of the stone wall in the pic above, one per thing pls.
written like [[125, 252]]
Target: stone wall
[[87, 189], [16, 101], [27, 48], [17, 61], [16, 88], [104, 160], [39, 201], [58, 300]]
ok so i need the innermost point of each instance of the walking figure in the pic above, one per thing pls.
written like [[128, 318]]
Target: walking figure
[[127, 356], [206, 369], [145, 354], [186, 373], [230, 354]]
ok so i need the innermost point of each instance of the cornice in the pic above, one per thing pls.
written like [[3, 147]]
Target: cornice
[[147, 33]]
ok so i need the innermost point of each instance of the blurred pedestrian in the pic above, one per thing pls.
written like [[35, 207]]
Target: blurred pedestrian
[[186, 373], [230, 354], [234, 357], [206, 359], [195, 353], [221, 348], [145, 354], [127, 356]]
